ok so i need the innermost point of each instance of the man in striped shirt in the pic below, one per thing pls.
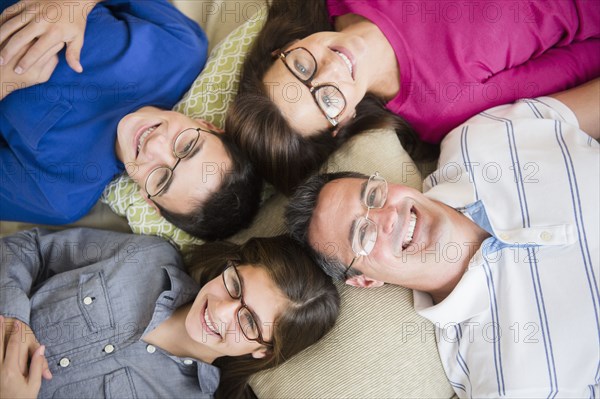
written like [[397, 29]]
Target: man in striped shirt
[[501, 249]]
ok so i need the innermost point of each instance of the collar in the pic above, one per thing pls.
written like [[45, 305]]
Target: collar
[[469, 298], [181, 289], [208, 377]]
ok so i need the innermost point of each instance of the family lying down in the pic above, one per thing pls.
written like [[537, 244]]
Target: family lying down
[[500, 247]]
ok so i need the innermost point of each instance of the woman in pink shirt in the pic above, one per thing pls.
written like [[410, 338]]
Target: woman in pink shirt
[[306, 88]]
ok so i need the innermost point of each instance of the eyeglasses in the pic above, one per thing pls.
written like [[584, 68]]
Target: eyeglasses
[[364, 230], [246, 319], [303, 65], [159, 178]]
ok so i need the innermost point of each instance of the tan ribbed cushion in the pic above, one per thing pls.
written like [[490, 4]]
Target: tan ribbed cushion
[[379, 348]]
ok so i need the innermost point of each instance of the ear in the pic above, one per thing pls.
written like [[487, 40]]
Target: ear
[[363, 281], [260, 352], [335, 131], [149, 201], [209, 125]]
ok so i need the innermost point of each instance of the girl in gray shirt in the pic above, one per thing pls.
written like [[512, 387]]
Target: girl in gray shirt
[[116, 315]]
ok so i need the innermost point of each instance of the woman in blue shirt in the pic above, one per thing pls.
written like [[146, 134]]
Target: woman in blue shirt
[[107, 332]]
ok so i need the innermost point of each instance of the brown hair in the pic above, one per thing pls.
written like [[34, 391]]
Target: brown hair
[[280, 154], [314, 302]]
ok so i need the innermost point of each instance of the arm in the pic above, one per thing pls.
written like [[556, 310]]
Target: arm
[[43, 27], [22, 196], [39, 72], [26, 260], [584, 101], [555, 70], [18, 382], [29, 258]]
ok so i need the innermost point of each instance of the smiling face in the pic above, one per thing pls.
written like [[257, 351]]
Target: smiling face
[[339, 57], [145, 140], [443, 240], [212, 320]]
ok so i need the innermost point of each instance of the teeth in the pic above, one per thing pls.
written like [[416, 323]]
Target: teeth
[[144, 135], [209, 323], [411, 230], [346, 60]]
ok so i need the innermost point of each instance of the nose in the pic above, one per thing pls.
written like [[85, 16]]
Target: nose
[[158, 149], [386, 218], [328, 68], [226, 311]]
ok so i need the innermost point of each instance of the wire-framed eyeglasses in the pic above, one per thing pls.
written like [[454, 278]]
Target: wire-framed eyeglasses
[[364, 230], [184, 144]]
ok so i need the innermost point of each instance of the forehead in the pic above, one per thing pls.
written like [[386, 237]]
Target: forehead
[[338, 206], [197, 177]]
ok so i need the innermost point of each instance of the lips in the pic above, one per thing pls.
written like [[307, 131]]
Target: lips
[[207, 323], [347, 58], [141, 136], [406, 235]]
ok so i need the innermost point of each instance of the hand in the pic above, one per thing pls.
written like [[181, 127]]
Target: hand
[[39, 72], [10, 329], [43, 26], [15, 383]]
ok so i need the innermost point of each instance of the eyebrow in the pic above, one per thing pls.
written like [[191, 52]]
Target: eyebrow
[[363, 187], [193, 154]]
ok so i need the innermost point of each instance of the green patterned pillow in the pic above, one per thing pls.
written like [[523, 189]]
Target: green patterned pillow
[[208, 98]]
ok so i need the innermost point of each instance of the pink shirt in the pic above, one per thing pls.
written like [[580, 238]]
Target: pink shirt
[[459, 58]]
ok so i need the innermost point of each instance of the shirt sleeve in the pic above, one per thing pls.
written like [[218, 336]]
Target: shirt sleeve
[[556, 70], [29, 258]]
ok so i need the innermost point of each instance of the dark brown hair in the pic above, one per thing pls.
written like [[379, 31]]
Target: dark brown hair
[[299, 213], [313, 309], [280, 154], [230, 208]]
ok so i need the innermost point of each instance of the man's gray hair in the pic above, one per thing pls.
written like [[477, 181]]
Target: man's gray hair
[[298, 216]]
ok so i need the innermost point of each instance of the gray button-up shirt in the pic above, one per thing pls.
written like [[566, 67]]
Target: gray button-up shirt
[[90, 296]]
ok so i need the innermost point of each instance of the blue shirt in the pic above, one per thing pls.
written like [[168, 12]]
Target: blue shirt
[[90, 296], [57, 139]]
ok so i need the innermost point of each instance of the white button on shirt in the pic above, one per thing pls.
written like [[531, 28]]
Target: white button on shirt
[[546, 236], [64, 362], [87, 300], [150, 348], [188, 362], [523, 320], [109, 348]]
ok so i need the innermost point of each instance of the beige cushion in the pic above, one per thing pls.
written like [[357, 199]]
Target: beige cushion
[[219, 17], [379, 348]]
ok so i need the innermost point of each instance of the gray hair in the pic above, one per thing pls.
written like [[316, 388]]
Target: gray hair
[[298, 216]]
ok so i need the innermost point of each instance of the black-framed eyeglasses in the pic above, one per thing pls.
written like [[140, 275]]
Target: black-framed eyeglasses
[[183, 145], [246, 317], [364, 230], [303, 65]]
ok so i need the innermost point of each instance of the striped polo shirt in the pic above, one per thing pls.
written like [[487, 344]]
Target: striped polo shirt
[[524, 319]]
